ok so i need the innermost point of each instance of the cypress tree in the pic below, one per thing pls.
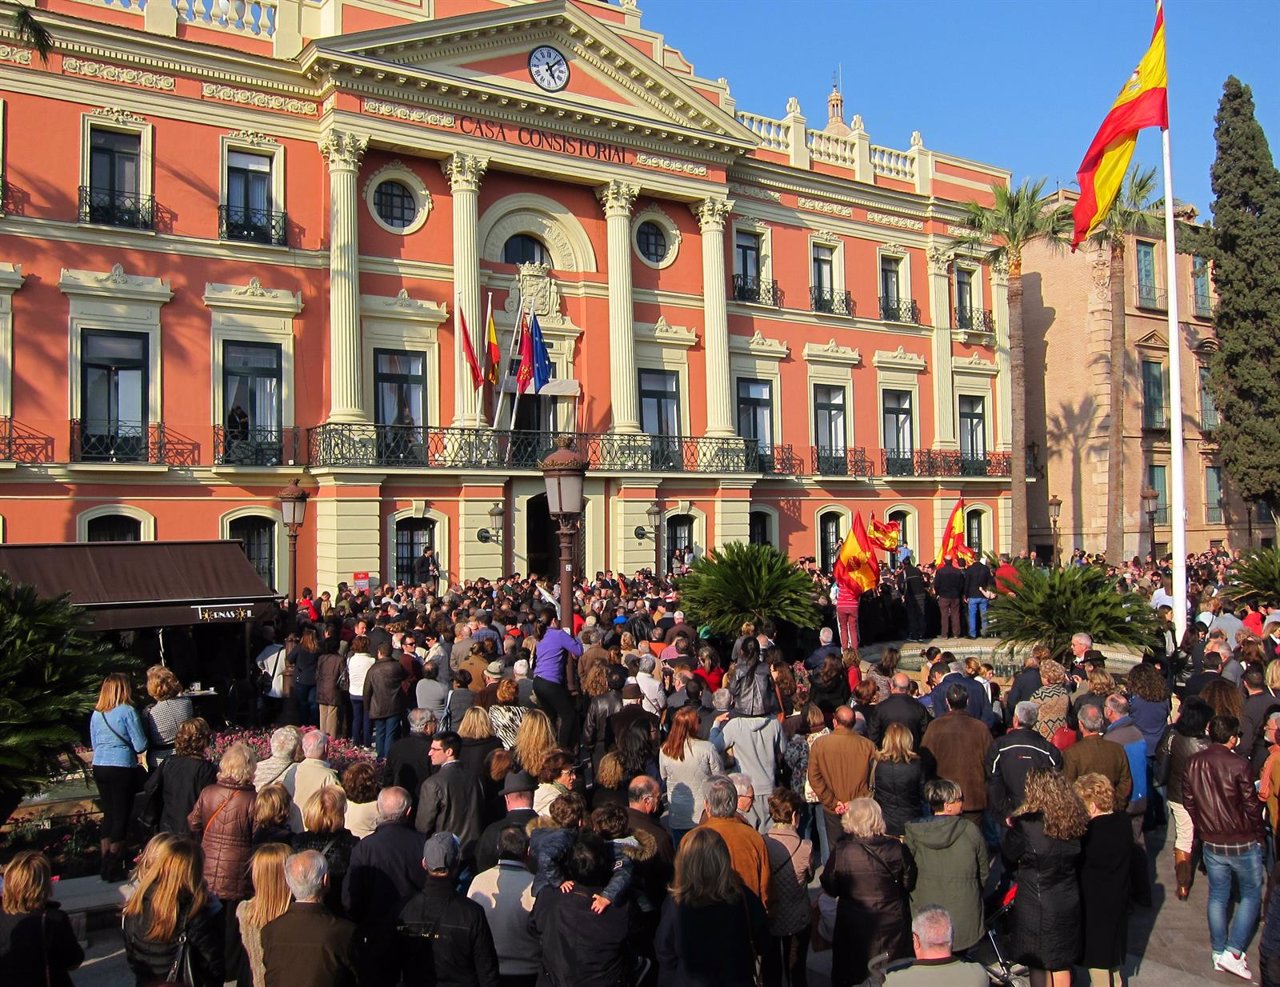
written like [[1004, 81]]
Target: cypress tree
[[1245, 249]]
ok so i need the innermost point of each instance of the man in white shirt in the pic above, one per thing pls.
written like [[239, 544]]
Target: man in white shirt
[[311, 775], [505, 892]]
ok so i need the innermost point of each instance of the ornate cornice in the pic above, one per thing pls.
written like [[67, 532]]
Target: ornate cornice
[[664, 333], [114, 284], [253, 297], [758, 345], [258, 100], [118, 73], [898, 359], [832, 352]]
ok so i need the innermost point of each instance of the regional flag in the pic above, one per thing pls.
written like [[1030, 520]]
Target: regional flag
[[468, 349], [494, 354], [1143, 102], [953, 545], [541, 358], [856, 570], [524, 374]]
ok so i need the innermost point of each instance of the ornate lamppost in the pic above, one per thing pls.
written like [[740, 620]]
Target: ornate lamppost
[[1055, 512], [563, 471], [1150, 504], [293, 510]]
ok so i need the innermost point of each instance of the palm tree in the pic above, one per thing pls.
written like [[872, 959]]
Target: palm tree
[[739, 583], [32, 32], [1017, 218], [1255, 578], [1131, 212]]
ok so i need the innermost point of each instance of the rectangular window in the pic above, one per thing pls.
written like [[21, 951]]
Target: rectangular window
[[973, 433], [823, 287], [113, 396], [248, 213], [660, 402], [400, 393], [113, 196], [1153, 406], [755, 413], [899, 433], [1148, 297], [1213, 494], [831, 538], [964, 298], [251, 387], [746, 267], [1157, 478], [1208, 410], [829, 434], [890, 289], [1200, 287], [413, 535]]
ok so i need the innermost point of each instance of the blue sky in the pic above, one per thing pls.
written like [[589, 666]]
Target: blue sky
[[1019, 83]]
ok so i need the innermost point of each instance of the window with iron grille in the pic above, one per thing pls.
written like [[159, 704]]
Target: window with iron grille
[[755, 412], [395, 204], [525, 249], [413, 534], [829, 531], [257, 536], [652, 241]]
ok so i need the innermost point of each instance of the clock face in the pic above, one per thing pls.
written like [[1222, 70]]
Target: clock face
[[548, 68]]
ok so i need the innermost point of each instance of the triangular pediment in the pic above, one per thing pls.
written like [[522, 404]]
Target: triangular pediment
[[1155, 339], [484, 58]]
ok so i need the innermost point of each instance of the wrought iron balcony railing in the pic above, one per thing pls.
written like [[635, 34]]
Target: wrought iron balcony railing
[[899, 310], [840, 462], [943, 462], [1149, 296], [1203, 305], [106, 207], [758, 290], [778, 460], [19, 444], [255, 446], [102, 441], [831, 302], [1155, 418], [253, 225], [342, 444], [973, 319]]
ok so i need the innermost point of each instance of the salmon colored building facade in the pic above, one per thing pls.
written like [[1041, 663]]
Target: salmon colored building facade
[[235, 238]]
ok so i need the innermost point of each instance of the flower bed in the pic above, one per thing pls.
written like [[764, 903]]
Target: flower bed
[[342, 753]]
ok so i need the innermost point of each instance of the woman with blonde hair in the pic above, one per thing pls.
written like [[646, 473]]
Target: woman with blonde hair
[[1052, 698], [272, 808], [222, 820], [708, 917], [168, 921], [1042, 846], [870, 875], [685, 764], [324, 817], [533, 739], [270, 900], [118, 737], [37, 943], [897, 779], [162, 719]]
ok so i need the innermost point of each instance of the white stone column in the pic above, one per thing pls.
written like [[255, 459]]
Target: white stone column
[[712, 214], [946, 435], [1004, 390], [464, 172], [617, 198], [344, 151]]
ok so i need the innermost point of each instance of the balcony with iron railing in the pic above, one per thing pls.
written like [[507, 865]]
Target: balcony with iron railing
[[973, 319], [253, 225], [943, 463], [758, 291], [834, 461], [1203, 305], [899, 310], [778, 460], [106, 207], [104, 441], [254, 446], [831, 302], [1155, 417], [1148, 296], [19, 444]]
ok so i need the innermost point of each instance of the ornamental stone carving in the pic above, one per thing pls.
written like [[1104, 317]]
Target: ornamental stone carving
[[534, 287], [114, 73], [939, 259], [617, 198], [252, 137], [1000, 271], [712, 213], [343, 150], [464, 171], [898, 359], [118, 115]]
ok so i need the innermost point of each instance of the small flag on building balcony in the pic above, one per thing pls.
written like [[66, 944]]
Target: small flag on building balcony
[[856, 570], [953, 545], [524, 374], [1143, 102], [541, 358], [491, 340], [468, 348]]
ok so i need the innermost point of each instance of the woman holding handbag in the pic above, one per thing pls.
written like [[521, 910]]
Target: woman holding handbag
[[170, 922], [118, 738]]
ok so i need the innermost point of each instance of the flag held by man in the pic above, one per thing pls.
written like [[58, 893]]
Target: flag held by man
[[856, 569], [953, 544]]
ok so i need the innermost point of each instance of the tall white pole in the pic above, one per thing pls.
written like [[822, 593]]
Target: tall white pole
[[502, 377], [1178, 522]]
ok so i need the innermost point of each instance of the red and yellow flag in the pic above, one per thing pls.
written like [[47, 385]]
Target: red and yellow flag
[[1143, 102], [524, 373], [856, 570], [885, 535], [953, 545], [495, 355], [468, 350]]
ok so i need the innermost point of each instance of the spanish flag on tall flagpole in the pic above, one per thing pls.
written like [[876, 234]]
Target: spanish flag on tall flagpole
[[953, 544], [856, 569], [1143, 102]]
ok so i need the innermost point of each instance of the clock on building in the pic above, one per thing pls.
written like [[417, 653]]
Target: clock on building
[[549, 68]]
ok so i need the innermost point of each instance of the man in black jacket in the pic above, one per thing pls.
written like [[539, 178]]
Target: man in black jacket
[[898, 707], [444, 937], [948, 583], [914, 595], [449, 801], [1012, 756], [978, 582], [1024, 684], [517, 790], [409, 761]]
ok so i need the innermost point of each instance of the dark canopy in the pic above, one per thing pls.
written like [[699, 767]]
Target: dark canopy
[[131, 585]]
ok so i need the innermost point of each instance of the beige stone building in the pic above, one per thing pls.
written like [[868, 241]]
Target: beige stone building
[[1067, 316]]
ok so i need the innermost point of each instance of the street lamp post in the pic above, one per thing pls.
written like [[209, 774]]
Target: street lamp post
[[563, 471], [654, 514], [1055, 511], [1150, 504], [293, 511]]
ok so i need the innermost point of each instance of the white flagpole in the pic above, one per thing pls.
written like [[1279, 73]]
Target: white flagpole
[[515, 402], [502, 378], [484, 335], [1178, 522]]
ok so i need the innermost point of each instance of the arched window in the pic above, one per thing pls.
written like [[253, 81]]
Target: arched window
[[525, 249], [758, 528], [257, 536], [413, 534], [903, 518], [113, 527], [973, 531], [829, 523]]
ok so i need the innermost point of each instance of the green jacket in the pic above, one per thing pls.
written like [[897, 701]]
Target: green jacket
[[951, 863]]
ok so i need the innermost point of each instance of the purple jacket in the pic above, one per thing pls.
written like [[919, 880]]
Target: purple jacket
[[548, 659]]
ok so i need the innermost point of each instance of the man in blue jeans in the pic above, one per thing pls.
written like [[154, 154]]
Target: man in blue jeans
[[979, 588], [1218, 794]]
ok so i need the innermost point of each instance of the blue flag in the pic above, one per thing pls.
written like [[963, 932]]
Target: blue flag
[[541, 358]]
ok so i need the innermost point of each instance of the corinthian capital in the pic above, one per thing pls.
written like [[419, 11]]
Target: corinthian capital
[[342, 149], [464, 171], [712, 213], [617, 198]]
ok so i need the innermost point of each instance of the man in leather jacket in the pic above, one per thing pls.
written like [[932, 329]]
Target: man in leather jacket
[[1218, 793]]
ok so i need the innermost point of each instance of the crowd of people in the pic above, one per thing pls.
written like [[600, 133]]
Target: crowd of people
[[626, 802]]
